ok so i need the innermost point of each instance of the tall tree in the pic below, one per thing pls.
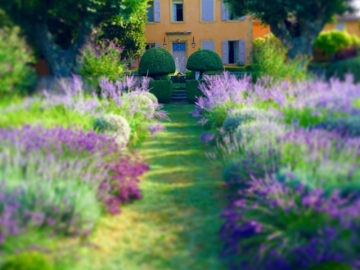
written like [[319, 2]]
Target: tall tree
[[130, 34], [296, 23], [61, 28]]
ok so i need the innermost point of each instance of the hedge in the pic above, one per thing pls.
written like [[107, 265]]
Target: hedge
[[341, 68], [193, 91], [156, 63], [204, 60], [162, 89]]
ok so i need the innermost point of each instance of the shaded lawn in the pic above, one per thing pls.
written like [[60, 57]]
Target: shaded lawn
[[176, 225]]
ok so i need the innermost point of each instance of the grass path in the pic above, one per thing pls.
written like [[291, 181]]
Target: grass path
[[176, 225]]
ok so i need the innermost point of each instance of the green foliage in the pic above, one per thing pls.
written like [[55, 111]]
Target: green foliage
[[16, 76], [235, 69], [156, 63], [16, 115], [341, 68], [162, 90], [129, 34], [193, 91], [284, 9], [331, 266], [30, 260], [269, 56], [204, 60], [332, 41], [102, 59]]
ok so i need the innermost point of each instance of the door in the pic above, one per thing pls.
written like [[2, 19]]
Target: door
[[179, 54]]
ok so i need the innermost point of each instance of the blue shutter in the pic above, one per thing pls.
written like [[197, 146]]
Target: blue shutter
[[225, 52], [157, 10], [243, 18], [208, 45], [224, 12], [157, 44], [242, 52], [133, 63], [207, 9]]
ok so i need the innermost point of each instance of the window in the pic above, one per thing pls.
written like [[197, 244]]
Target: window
[[153, 11], [207, 10], [149, 46], [178, 11], [340, 26], [228, 15], [150, 11], [233, 51]]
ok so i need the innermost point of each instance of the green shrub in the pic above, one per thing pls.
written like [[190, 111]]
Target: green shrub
[[252, 68], [16, 77], [162, 90], [341, 68], [190, 75], [102, 59], [235, 69], [332, 41], [31, 260], [204, 60], [114, 126], [269, 56], [156, 63], [193, 91]]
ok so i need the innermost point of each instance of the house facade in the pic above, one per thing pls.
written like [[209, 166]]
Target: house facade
[[183, 26], [348, 22]]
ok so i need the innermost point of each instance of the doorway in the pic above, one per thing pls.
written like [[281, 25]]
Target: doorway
[[179, 55]]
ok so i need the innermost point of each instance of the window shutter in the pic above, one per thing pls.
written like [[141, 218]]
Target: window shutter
[[207, 8], [208, 45], [243, 18], [157, 44], [225, 52], [224, 12], [157, 10], [242, 52]]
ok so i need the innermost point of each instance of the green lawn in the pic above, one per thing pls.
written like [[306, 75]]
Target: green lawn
[[176, 225]]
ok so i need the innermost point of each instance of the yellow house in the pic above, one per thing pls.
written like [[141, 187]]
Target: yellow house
[[348, 22], [183, 26]]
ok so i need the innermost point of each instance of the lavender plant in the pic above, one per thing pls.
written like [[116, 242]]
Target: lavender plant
[[60, 178], [274, 226]]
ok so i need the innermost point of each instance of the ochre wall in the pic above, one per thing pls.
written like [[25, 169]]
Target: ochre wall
[[216, 31], [260, 30], [351, 27]]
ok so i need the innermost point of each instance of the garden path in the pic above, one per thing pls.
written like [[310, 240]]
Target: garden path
[[176, 225]]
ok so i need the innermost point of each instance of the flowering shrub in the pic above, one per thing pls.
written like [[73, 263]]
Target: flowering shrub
[[102, 58], [291, 156], [274, 226], [59, 179], [139, 107], [115, 126]]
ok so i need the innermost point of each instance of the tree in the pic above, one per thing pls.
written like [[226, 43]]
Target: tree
[[296, 23], [130, 35], [61, 28]]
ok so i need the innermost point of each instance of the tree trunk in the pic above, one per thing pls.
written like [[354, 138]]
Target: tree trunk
[[299, 41], [62, 63]]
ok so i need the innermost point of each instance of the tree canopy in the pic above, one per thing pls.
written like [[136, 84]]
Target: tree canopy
[[296, 23], [61, 28]]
